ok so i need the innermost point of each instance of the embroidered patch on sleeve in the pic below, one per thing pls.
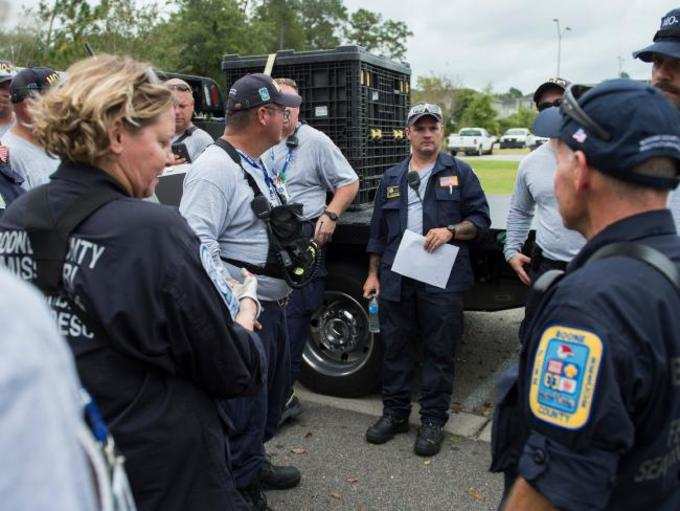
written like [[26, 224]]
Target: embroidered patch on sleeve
[[218, 281], [564, 376], [392, 192]]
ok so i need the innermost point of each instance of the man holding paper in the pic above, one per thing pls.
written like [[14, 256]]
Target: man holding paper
[[438, 199]]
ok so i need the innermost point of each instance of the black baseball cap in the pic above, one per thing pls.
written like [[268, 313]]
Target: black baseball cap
[[666, 39], [424, 110], [258, 89], [550, 83], [31, 80], [618, 125]]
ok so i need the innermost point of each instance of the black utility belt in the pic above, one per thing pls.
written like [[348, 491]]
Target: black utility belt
[[268, 270]]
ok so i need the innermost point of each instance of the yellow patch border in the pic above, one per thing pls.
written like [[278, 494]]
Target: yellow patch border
[[393, 192], [580, 417]]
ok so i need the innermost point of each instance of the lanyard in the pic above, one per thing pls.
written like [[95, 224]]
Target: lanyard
[[267, 178]]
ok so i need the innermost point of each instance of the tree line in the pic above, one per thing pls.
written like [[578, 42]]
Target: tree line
[[464, 107], [190, 36]]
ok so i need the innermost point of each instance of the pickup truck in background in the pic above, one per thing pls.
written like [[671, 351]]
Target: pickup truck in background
[[475, 141], [516, 138]]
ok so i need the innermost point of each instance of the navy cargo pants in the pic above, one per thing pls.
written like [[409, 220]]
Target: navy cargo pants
[[256, 418], [435, 318], [301, 306]]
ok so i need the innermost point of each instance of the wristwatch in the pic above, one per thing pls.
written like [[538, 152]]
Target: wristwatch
[[452, 230], [330, 215]]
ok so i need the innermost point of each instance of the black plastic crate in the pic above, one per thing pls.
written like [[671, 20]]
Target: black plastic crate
[[358, 99]]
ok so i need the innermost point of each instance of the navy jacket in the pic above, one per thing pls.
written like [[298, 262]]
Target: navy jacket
[[171, 348], [10, 186], [599, 381], [442, 206]]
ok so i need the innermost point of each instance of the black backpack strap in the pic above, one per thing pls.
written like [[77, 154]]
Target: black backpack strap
[[643, 253], [187, 133], [233, 154], [50, 236]]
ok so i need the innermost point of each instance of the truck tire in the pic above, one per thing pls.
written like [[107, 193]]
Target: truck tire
[[344, 358], [453, 152]]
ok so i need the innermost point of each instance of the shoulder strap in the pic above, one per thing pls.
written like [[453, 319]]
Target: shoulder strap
[[50, 236], [233, 154], [187, 133], [643, 253]]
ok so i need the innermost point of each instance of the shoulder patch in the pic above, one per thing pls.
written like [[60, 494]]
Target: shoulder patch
[[392, 192], [564, 376]]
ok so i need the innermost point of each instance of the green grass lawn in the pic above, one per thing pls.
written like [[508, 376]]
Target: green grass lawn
[[497, 177]]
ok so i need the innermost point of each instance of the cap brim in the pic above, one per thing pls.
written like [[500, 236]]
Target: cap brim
[[415, 118], [666, 48], [544, 87], [288, 100], [548, 123]]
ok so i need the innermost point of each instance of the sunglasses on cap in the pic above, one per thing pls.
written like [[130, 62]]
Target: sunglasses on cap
[[180, 87], [425, 108], [547, 104], [573, 110]]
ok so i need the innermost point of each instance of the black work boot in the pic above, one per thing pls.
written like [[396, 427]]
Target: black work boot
[[292, 410], [277, 477], [385, 429], [429, 439], [254, 496]]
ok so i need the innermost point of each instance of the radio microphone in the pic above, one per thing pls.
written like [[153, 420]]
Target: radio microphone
[[413, 180]]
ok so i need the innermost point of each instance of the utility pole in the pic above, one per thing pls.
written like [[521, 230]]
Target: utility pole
[[560, 34]]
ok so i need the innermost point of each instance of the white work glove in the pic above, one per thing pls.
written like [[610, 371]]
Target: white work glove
[[245, 289]]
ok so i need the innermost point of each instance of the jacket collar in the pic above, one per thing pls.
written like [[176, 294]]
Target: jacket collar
[[86, 175], [650, 223]]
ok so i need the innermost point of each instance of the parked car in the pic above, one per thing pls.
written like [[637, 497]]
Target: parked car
[[534, 141], [471, 141], [515, 137]]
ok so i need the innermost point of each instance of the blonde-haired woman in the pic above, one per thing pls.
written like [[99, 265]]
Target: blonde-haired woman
[[156, 333]]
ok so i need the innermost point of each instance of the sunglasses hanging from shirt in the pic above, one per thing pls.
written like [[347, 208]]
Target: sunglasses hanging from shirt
[[291, 256]]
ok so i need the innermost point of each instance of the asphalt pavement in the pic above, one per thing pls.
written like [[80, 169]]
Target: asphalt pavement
[[343, 472], [340, 471]]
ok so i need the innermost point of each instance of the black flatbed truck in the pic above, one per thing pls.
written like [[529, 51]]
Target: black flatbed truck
[[344, 357]]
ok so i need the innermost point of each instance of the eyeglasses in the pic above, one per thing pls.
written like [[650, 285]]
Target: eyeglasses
[[573, 110], [425, 108], [284, 111], [547, 104], [180, 87]]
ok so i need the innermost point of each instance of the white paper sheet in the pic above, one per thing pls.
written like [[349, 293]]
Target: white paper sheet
[[412, 260]]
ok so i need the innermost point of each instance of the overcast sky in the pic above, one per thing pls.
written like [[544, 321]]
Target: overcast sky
[[514, 43]]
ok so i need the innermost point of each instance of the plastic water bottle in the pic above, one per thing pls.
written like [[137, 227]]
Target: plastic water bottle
[[373, 323]]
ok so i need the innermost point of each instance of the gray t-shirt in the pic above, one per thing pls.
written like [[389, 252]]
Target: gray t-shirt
[[216, 203], [674, 206], [534, 189], [43, 463], [196, 142], [28, 160], [4, 128], [315, 167], [414, 217]]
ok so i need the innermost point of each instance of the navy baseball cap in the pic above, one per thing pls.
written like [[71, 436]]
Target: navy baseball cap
[[666, 39], [31, 80], [258, 89], [618, 125], [547, 123]]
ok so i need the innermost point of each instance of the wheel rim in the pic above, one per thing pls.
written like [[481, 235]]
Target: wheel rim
[[341, 344]]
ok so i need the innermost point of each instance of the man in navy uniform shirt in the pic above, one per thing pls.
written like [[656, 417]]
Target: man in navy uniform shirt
[[593, 421], [446, 206]]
